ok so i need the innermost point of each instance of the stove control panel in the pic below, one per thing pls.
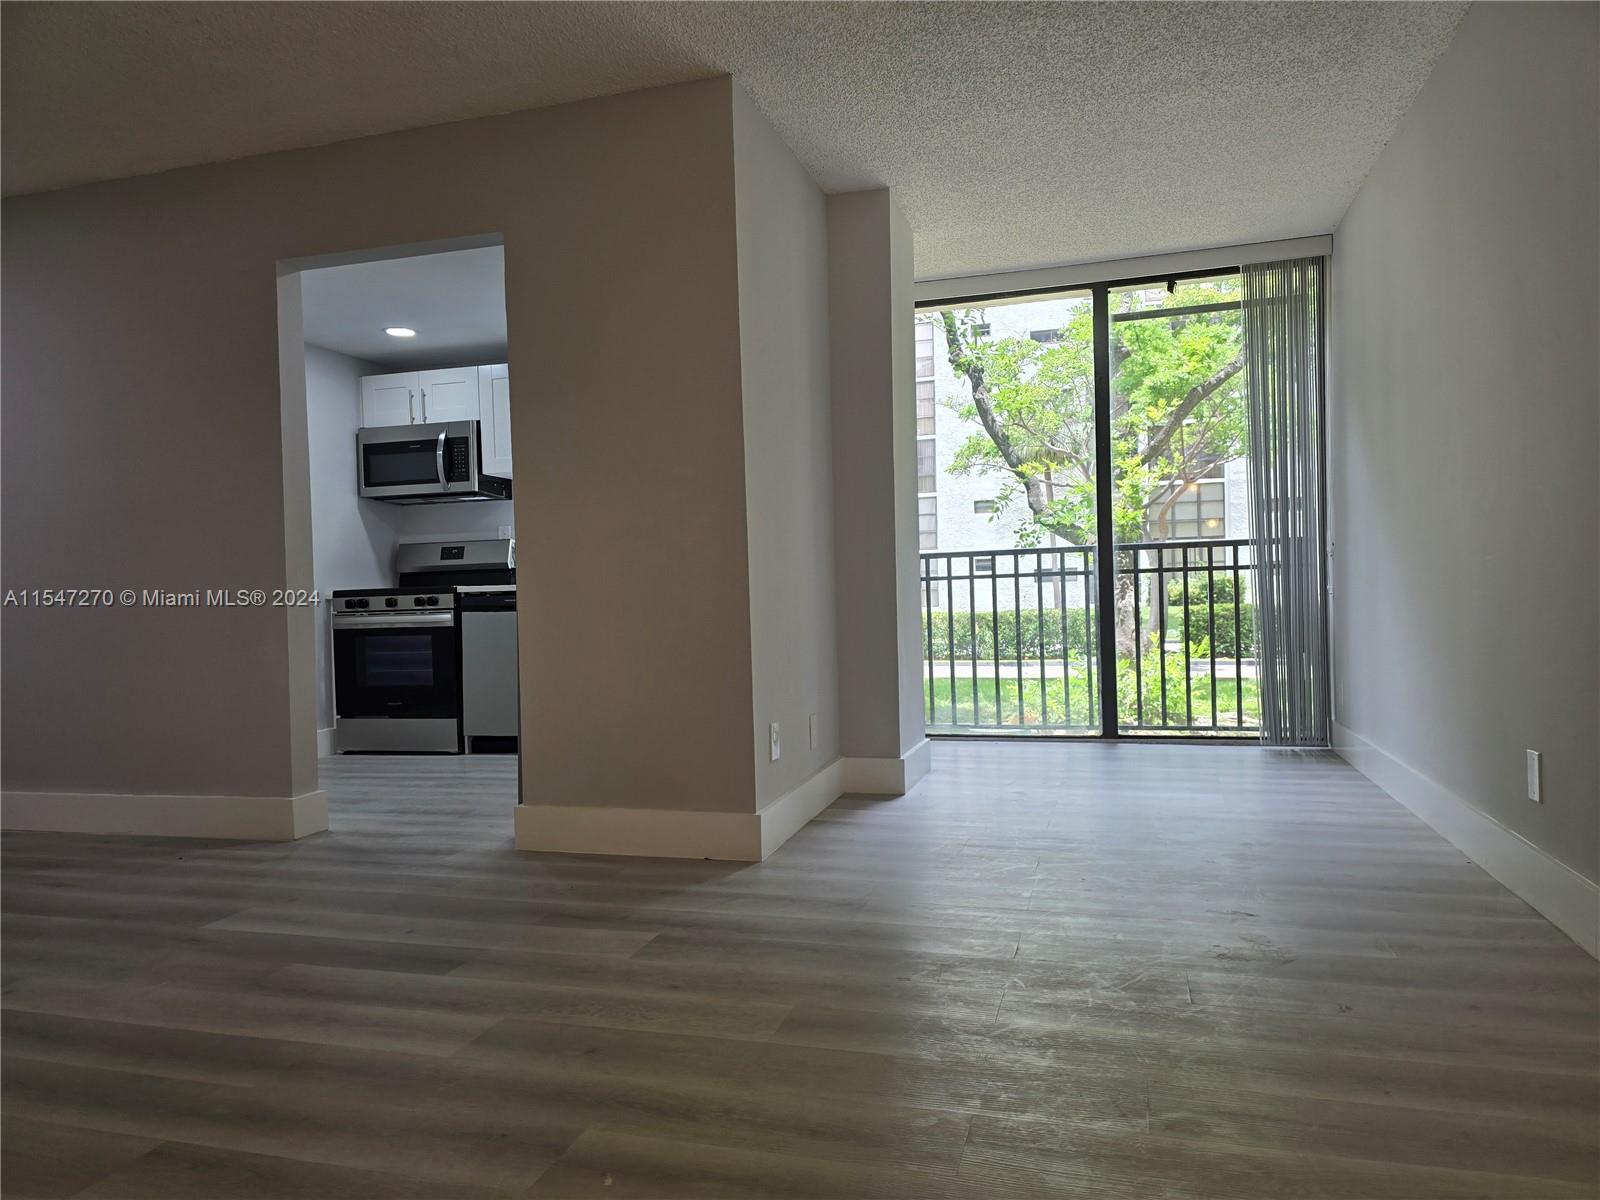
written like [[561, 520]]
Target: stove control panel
[[377, 604]]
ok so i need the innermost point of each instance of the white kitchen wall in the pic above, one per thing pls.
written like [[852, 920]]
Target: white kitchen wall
[[475, 516], [352, 540]]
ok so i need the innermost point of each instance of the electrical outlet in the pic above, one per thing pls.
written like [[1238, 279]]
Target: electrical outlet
[[774, 734], [1536, 776], [813, 731]]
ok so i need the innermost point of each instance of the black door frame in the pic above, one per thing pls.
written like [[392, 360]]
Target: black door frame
[[1105, 533]]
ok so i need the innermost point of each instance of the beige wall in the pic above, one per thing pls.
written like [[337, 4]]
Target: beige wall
[[1464, 425], [783, 336], [145, 446], [907, 545], [870, 274]]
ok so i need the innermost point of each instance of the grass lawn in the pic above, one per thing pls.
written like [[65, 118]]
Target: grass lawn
[[1070, 703]]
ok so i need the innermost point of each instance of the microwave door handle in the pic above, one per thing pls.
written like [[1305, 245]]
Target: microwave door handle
[[438, 459]]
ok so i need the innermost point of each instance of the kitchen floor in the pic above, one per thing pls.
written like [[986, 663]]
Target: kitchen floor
[[1050, 970]]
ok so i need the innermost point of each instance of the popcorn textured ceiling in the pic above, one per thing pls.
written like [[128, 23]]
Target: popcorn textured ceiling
[[1017, 135]]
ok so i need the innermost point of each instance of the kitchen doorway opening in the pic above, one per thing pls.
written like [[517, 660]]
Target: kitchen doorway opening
[[400, 524]]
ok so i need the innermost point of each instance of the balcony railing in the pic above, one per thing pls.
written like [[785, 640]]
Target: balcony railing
[[1011, 639]]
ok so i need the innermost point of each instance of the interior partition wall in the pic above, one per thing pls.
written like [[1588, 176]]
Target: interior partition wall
[[1104, 429]]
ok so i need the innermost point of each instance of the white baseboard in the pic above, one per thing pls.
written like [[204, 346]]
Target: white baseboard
[[250, 818], [919, 761], [676, 833], [886, 776], [650, 832], [729, 836], [324, 743], [1568, 900], [788, 814]]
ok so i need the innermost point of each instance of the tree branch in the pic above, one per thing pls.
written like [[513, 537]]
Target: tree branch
[[966, 365], [1197, 395]]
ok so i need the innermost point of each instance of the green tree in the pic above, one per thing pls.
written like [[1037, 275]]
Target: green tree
[[1177, 410]]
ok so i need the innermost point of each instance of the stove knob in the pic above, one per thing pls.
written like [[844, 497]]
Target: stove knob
[[419, 601], [390, 602], [433, 599]]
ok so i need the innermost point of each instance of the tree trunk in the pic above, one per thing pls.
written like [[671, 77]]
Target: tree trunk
[[1127, 597]]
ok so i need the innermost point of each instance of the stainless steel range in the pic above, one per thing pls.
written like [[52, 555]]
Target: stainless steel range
[[397, 652]]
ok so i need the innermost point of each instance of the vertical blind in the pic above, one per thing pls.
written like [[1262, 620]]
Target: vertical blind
[[1283, 334]]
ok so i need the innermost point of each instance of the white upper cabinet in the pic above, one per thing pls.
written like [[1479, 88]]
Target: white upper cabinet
[[494, 399], [389, 399], [480, 394], [420, 397], [448, 395]]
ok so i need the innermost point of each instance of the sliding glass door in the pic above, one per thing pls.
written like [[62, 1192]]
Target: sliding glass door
[[1008, 516], [1182, 569], [1048, 427]]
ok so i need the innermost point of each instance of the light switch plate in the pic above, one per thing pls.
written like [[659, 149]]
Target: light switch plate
[[1536, 776], [774, 729], [813, 731]]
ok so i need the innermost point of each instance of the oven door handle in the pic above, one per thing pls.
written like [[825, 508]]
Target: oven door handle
[[438, 459], [395, 621]]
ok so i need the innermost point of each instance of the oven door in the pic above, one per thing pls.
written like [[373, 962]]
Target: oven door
[[396, 665]]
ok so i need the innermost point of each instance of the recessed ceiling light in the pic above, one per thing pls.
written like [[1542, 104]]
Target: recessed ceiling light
[[400, 331]]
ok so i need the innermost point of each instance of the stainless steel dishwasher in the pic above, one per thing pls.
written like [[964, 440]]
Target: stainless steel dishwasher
[[488, 616]]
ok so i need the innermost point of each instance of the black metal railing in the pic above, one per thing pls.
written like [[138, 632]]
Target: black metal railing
[[1186, 646], [1011, 639]]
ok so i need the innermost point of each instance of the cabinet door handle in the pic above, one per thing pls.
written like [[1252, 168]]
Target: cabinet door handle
[[411, 403]]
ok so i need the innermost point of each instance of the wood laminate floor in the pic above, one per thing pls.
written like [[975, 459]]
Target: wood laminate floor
[[1051, 970]]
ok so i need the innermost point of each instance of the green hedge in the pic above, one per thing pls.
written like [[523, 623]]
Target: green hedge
[[1079, 631], [1225, 629], [1050, 645], [1222, 594], [1199, 589]]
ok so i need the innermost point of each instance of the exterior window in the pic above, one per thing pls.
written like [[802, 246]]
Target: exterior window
[[1048, 337], [924, 350], [980, 331], [983, 506], [983, 565], [927, 457], [1196, 510]]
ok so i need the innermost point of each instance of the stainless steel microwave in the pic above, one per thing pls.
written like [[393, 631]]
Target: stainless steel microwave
[[425, 464]]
